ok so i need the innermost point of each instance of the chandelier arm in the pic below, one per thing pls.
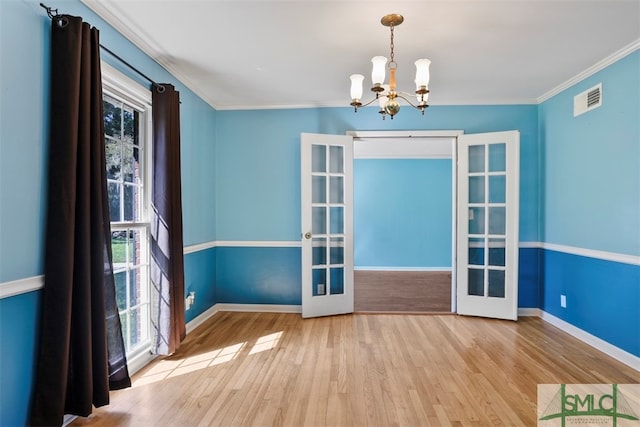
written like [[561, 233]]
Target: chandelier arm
[[403, 96], [369, 103]]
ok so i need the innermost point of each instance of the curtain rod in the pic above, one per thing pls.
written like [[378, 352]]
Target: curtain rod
[[54, 15]]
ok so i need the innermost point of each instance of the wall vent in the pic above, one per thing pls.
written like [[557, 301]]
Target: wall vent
[[587, 100]]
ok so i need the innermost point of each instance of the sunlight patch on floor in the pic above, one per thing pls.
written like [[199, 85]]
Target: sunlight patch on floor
[[266, 342], [171, 368]]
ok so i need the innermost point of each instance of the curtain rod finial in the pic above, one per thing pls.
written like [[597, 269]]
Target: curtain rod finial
[[50, 11]]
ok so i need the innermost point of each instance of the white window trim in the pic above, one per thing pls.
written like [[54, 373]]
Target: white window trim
[[118, 85]]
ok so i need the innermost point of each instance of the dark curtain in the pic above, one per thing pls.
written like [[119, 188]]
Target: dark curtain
[[167, 262], [81, 352]]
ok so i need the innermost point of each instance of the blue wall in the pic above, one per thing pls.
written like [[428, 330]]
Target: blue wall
[[603, 297], [258, 179], [18, 331], [258, 160], [591, 186], [257, 275], [591, 164], [24, 110], [402, 212]]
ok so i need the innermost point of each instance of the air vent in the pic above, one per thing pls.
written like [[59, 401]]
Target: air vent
[[587, 100]]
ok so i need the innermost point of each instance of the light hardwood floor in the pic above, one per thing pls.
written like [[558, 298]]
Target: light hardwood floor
[[262, 369]]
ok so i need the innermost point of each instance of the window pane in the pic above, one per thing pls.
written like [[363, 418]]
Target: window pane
[[476, 282], [497, 252], [497, 221], [496, 283], [476, 220], [318, 158], [114, 159], [319, 220], [130, 163], [121, 289], [119, 248], [131, 202], [336, 252], [498, 157], [497, 189], [134, 325], [319, 251], [113, 188], [143, 324], [337, 281], [476, 189], [134, 287], [125, 329], [337, 220], [319, 282], [336, 159], [476, 251], [112, 116], [129, 125], [476, 158], [336, 190], [319, 189]]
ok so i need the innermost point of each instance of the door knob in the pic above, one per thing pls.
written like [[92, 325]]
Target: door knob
[[307, 235]]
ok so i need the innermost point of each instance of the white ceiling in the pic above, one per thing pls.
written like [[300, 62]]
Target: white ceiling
[[300, 53]]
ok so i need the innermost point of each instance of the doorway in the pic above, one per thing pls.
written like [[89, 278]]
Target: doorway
[[404, 228], [484, 240]]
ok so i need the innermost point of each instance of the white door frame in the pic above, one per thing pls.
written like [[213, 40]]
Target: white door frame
[[377, 136]]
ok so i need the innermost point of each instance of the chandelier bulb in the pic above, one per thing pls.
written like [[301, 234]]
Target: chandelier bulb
[[378, 70]]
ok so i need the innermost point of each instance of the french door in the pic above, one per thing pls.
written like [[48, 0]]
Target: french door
[[327, 224], [487, 224], [487, 208]]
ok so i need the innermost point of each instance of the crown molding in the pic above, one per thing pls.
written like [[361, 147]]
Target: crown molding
[[108, 10], [614, 57]]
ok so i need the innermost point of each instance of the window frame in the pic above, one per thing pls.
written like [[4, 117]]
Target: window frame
[[117, 85]]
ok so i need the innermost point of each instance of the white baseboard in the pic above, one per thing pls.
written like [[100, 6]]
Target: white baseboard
[[201, 318], [260, 308], [251, 308], [617, 353], [529, 312], [595, 342], [377, 268]]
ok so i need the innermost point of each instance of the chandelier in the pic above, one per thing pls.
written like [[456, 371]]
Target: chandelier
[[387, 95]]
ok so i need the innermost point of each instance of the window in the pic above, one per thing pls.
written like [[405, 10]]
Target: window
[[127, 118]]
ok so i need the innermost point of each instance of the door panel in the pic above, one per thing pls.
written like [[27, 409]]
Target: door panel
[[487, 224], [327, 224]]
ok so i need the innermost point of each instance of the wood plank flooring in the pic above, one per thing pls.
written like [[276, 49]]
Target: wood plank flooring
[[402, 291], [266, 369]]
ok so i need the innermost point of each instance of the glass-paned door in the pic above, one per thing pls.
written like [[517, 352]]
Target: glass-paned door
[[487, 225], [327, 224]]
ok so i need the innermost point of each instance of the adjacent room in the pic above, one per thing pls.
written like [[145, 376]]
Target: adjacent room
[[319, 213]]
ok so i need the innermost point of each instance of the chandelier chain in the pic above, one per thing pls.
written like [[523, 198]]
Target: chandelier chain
[[393, 61]]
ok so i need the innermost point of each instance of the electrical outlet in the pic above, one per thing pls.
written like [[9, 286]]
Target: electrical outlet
[[189, 300], [563, 301]]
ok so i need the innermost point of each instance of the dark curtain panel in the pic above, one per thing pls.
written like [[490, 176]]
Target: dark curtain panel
[[81, 353], [167, 262]]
